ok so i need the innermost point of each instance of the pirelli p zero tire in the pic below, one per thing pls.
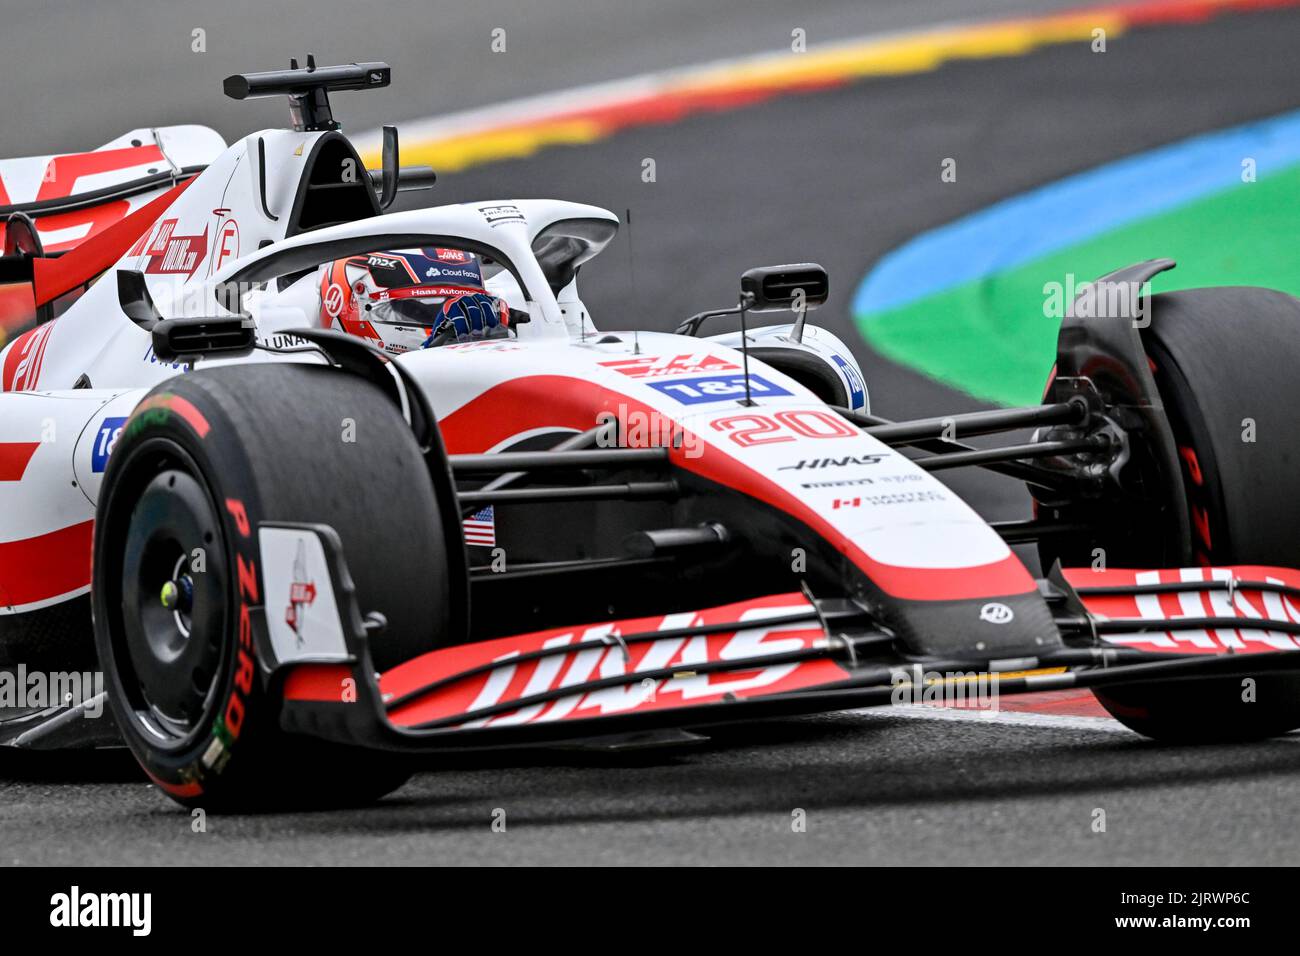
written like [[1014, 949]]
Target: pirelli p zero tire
[[205, 459], [1227, 364]]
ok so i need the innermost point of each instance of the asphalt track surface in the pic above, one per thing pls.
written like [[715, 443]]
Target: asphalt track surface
[[77, 73], [839, 177]]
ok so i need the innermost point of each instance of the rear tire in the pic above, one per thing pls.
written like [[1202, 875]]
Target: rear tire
[[1223, 359], [204, 460]]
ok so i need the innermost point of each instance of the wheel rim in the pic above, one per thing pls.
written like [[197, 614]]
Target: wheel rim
[[174, 602]]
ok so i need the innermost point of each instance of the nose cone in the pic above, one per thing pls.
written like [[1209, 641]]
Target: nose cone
[[1019, 625]]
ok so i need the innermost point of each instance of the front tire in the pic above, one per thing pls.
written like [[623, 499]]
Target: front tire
[[1225, 362], [203, 461]]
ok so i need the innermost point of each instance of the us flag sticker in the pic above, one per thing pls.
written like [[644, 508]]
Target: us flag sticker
[[481, 528]]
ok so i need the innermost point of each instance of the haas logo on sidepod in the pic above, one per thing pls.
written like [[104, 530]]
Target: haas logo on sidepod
[[22, 368]]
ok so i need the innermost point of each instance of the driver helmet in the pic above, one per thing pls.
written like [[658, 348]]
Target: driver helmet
[[411, 298]]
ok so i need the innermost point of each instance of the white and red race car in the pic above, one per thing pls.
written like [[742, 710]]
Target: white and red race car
[[310, 552]]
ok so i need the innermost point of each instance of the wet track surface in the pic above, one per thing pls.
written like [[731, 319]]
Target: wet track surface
[[838, 177]]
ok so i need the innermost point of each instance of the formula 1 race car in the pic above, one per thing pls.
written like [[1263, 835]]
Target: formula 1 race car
[[317, 536]]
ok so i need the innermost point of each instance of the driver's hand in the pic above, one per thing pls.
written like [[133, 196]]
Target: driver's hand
[[470, 317]]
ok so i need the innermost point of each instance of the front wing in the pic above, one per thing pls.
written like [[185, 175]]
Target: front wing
[[778, 655]]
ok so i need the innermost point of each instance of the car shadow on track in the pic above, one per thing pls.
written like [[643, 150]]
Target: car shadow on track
[[841, 761], [838, 762], [115, 765]]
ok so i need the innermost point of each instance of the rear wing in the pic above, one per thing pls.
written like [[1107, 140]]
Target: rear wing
[[50, 205], [73, 196]]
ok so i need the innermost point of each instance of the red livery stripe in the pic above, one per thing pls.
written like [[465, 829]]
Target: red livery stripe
[[563, 402], [1251, 606], [55, 277], [47, 566], [14, 457], [504, 681], [22, 366], [319, 682]]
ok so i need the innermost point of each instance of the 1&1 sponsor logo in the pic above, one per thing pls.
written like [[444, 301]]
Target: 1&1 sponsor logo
[[109, 430], [720, 388]]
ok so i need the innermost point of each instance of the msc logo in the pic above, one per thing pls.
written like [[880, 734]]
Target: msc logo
[[996, 613]]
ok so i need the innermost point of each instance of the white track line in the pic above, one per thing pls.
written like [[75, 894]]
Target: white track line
[[1015, 718], [1019, 718]]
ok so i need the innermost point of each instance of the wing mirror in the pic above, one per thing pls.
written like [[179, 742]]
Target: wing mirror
[[799, 286], [394, 178], [389, 173]]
